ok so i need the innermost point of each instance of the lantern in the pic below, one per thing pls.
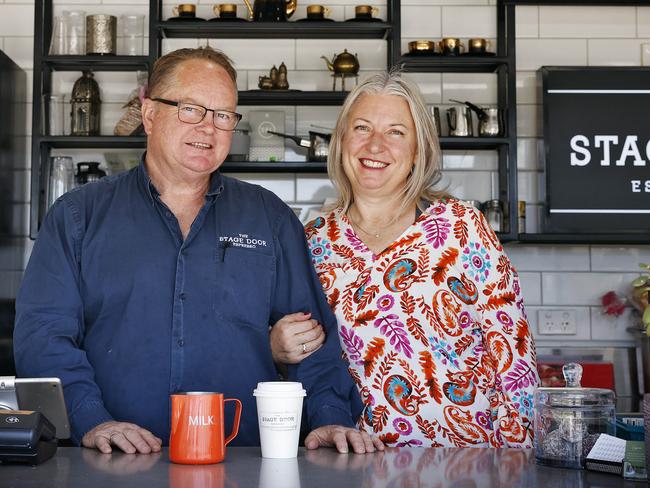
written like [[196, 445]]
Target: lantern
[[86, 106]]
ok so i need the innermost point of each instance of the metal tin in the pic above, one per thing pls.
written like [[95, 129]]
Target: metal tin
[[101, 34]]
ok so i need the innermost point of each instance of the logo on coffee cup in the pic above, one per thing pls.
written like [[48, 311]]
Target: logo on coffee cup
[[201, 420], [278, 420]]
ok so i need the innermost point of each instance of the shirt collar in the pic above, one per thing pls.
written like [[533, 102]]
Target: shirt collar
[[216, 181], [216, 184]]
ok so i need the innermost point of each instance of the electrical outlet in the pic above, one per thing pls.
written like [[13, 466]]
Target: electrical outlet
[[556, 322]]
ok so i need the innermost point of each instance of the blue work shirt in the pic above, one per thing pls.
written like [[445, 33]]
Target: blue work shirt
[[122, 309]]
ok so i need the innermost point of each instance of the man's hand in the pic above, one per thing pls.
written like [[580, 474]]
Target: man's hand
[[294, 337], [339, 437], [128, 437]]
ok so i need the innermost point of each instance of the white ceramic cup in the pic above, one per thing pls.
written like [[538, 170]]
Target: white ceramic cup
[[279, 411]]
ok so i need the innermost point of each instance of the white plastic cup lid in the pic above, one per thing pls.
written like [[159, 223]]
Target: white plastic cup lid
[[279, 389]]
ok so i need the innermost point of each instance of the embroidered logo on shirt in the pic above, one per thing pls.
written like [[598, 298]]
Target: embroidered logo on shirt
[[242, 240]]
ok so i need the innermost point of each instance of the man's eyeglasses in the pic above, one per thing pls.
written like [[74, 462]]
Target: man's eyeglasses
[[191, 113]]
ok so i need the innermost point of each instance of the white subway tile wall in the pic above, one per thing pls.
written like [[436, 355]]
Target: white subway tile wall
[[554, 277], [614, 52], [595, 22]]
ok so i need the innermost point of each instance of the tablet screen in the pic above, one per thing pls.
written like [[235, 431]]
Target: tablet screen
[[44, 395]]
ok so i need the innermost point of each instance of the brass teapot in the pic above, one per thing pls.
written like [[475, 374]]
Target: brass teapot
[[344, 64], [271, 10]]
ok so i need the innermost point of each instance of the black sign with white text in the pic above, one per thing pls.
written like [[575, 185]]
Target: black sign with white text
[[597, 149]]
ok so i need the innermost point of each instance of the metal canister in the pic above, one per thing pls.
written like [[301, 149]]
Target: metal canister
[[521, 221], [101, 34], [494, 214]]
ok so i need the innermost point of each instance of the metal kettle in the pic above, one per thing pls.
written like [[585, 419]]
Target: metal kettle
[[271, 10], [490, 120], [459, 120], [343, 64]]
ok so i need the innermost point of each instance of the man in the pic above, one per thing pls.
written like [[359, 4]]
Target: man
[[166, 278]]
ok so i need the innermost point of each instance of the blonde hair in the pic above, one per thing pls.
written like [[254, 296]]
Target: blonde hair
[[164, 69], [426, 172]]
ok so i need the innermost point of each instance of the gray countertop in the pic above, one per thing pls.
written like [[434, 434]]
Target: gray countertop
[[244, 468]]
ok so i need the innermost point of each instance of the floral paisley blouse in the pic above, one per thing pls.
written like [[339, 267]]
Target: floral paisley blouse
[[433, 329]]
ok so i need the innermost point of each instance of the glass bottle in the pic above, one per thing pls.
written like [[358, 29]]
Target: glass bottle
[[61, 177]]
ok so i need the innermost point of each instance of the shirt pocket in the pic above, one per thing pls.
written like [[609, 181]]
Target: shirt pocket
[[243, 287]]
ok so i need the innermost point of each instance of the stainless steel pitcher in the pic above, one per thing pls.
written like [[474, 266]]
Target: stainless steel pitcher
[[460, 121], [490, 120], [490, 124]]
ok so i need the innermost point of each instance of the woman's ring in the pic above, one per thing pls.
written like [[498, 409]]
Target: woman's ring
[[304, 348]]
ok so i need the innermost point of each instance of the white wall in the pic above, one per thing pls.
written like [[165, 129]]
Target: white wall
[[554, 277]]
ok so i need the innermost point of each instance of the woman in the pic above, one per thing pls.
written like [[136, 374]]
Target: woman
[[429, 308]]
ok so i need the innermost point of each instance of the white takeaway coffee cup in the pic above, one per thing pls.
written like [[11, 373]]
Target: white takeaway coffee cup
[[279, 410]]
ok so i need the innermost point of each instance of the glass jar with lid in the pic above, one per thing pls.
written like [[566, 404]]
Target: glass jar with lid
[[569, 420], [494, 214]]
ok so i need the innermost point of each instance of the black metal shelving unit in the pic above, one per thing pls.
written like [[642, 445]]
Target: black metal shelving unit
[[503, 63], [159, 29], [44, 66], [390, 30]]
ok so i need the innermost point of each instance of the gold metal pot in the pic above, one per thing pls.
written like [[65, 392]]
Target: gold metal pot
[[343, 64], [420, 46]]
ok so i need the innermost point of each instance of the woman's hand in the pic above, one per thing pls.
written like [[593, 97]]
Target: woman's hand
[[294, 337]]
